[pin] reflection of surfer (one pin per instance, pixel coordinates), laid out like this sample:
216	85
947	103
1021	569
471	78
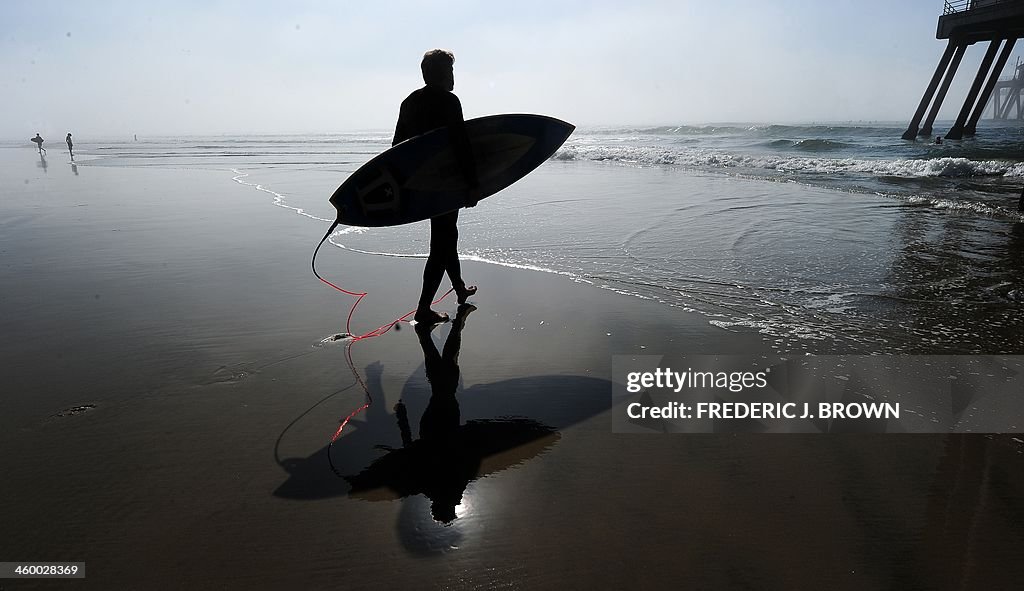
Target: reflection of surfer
428	108
441	418
439	426
39	143
449	453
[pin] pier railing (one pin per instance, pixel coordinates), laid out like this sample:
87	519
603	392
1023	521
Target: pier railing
963	5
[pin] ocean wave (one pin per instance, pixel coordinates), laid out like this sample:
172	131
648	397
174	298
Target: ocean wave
672	130
961	205
845	130
753	129
626	154
814	145
912	168
808	145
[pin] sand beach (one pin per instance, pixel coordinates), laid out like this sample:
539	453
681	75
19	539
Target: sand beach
169	404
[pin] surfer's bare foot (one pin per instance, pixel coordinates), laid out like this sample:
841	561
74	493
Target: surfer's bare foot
429	317
462	314
464	292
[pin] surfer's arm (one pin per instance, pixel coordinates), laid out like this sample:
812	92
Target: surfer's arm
463	150
402	132
399	133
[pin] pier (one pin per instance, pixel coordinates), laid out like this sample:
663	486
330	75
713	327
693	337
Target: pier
963	23
1006	98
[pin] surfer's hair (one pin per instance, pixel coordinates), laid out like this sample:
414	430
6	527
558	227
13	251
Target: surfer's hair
437	65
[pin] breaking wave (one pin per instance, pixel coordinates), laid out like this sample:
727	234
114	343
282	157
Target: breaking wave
904	167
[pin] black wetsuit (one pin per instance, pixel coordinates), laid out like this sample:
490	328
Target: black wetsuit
425	109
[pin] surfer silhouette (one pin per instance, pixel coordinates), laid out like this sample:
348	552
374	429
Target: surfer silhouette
71	146
39	143
428	108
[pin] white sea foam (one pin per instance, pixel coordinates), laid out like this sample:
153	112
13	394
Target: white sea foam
655	155
279	199
466	257
959	205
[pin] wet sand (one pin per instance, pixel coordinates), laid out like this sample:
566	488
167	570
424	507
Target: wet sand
167	411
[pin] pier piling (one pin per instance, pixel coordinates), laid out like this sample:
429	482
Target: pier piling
957	131
979	108
912	130
961	49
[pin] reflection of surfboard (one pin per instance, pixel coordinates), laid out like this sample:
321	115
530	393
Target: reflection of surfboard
472	451
421	177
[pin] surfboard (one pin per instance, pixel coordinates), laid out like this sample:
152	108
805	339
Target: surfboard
421	177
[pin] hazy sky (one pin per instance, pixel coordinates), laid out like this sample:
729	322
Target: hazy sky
111	68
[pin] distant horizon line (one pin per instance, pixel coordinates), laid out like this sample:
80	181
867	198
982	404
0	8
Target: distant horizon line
584	127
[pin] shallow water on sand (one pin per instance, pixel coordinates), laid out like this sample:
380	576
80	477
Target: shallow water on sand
823	238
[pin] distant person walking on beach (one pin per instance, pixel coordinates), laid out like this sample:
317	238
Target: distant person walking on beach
428	108
71	146
39	143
